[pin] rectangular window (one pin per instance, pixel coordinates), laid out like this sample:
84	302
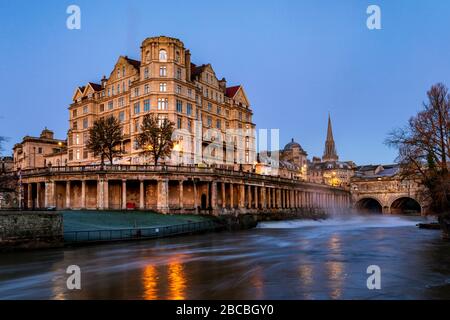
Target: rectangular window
85	138
85	123
136	92
146	105
110	105
240	116
179	106
179	89
122	116
163	87
146	89
189	124
85	109
178	73
70	155
85	154
209	121
146	74
179	123
209	107
102	107
163	71
218	124
163	103
74	113
121	100
219	110
136	126
189	109
137	108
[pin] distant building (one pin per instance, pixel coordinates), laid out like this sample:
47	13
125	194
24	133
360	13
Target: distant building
329	170
36	152
6	164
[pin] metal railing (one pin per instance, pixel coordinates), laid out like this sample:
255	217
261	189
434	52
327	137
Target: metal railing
84	236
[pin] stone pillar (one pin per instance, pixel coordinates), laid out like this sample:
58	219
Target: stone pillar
106	194
124	194
50	194
163	196
224	196
29	196
256	197
68	204
214	197
83	194
38	195
249	196
100	190
141	195
231	195
241	199
180	195
263	197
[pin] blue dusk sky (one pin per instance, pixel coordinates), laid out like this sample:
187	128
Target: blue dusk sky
298	61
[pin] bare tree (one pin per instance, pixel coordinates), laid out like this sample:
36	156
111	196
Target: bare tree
105	137
424	148
155	138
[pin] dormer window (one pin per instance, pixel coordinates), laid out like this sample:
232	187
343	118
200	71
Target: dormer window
162	55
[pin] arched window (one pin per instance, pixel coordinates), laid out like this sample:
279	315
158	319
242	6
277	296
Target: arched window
162	55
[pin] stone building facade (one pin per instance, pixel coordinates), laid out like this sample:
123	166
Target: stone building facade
33	152
166	83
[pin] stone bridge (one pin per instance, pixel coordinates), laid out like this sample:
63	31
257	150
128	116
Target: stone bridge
174	189
389	195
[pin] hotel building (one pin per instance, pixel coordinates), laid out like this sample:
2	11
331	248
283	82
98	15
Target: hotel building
166	83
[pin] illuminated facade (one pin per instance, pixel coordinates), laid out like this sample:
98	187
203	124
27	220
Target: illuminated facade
166	83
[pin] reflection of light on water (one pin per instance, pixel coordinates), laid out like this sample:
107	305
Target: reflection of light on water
335	243
306	274
335	271
177	280
257	282
150	280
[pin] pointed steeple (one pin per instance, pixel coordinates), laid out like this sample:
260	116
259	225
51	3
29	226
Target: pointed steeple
330	153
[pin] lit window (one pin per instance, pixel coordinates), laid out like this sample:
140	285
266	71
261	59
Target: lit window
162	55
163	71
163	103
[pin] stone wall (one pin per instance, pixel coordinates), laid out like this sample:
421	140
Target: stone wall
26	230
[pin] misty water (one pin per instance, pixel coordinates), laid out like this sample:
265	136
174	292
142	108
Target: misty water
295	259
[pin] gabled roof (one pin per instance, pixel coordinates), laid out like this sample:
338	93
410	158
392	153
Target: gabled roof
197	70
95	86
231	91
134	63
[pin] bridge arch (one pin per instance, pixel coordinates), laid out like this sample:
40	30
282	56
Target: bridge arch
369	205
405	205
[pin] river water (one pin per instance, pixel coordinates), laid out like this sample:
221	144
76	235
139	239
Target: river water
279	260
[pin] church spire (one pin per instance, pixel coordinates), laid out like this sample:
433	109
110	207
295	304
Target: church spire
330	153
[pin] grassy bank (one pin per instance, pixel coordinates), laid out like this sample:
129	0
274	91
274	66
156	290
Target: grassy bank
107	220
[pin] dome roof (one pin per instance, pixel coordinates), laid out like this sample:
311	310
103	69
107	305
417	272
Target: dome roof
291	145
